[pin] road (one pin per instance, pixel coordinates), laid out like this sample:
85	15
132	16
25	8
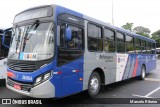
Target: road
133	88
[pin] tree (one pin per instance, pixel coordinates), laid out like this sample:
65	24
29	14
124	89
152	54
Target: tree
156	35
142	31
128	26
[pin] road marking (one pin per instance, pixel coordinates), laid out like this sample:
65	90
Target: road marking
147	96
152	92
152	79
140	96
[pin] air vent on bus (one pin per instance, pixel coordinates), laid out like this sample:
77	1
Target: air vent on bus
22	67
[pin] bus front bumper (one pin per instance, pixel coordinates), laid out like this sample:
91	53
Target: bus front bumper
43	90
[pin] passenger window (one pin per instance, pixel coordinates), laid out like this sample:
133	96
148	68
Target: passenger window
120	37
137	44
148	48
129	44
109	40
76	38
95	42
109	34
120	42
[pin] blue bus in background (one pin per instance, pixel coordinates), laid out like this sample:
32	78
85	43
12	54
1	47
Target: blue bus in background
4	50
56	52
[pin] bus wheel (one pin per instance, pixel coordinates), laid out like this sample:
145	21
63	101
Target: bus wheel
143	73
94	84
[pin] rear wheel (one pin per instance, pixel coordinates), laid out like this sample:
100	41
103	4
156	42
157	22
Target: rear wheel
94	84
143	73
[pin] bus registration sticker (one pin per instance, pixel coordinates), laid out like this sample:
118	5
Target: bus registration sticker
28	56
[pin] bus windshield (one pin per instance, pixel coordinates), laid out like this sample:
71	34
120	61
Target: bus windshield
33	42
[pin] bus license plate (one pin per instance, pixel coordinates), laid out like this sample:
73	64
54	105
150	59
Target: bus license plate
17	86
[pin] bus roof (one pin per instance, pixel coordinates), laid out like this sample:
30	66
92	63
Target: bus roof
94	20
108	25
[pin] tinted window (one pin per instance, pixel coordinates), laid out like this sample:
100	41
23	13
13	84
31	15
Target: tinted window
109	34
94	31
109	46
95	41
129	39
95	44
120	37
120	47
137	42
70	50
129	48
143	43
76	38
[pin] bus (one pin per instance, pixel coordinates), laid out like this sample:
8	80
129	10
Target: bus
56	52
4	51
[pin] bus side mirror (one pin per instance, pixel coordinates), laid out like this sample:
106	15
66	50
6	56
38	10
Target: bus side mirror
7	33
68	33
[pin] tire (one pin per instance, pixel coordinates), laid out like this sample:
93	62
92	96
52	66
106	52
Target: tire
143	73
94	84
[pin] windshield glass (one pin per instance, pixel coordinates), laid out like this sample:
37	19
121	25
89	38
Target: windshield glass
33	42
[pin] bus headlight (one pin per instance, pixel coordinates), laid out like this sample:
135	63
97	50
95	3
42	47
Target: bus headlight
46	76
42	78
38	80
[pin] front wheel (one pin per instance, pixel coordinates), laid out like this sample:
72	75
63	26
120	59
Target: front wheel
94	84
143	73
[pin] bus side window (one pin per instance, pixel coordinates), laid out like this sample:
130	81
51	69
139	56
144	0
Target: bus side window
143	46
137	44
109	40
76	38
95	41
129	44
153	48
120	42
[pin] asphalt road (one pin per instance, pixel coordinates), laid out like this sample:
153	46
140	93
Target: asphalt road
133	88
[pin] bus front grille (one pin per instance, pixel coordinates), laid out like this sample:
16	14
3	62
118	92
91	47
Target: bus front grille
22	67
24	87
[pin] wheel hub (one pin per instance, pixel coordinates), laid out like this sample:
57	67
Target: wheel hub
94	84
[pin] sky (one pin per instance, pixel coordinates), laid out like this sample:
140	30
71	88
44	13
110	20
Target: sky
140	12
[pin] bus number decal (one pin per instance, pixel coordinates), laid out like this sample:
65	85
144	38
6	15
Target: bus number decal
28	56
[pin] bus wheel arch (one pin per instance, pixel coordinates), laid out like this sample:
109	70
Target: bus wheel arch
102	75
96	75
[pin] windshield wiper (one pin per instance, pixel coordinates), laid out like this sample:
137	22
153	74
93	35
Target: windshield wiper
36	22
27	32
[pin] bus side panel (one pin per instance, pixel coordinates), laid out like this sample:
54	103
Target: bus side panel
129	66
104	61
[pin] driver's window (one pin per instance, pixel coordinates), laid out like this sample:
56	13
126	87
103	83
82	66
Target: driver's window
76	38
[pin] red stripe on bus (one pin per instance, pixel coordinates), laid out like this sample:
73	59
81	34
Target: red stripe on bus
135	68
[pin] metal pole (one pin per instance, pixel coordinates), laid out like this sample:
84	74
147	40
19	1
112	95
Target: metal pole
112	13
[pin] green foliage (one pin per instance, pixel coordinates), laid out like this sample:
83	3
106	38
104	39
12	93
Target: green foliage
156	35
139	29
128	26
142	31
